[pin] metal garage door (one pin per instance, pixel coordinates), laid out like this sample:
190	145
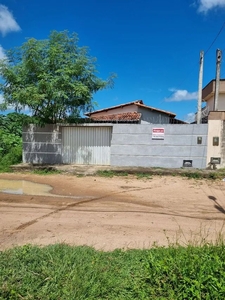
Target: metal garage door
86	145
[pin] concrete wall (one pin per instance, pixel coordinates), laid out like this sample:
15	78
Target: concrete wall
210	103
153	117
221	103
132	145
216	130
42	145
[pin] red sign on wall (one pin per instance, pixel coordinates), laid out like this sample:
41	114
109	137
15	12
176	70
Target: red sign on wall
158	133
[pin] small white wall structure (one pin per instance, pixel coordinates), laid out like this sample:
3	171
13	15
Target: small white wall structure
216	140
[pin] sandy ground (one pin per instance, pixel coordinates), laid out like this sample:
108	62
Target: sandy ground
109	213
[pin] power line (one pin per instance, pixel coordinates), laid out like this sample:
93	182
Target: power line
218	34
210	46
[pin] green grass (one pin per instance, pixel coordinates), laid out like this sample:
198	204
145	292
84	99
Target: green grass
46	171
194	174
64	272
144	176
110	173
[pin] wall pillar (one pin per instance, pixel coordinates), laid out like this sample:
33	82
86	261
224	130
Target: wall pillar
216	140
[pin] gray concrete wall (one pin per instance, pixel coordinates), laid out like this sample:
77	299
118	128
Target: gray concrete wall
153	117
132	145
42	145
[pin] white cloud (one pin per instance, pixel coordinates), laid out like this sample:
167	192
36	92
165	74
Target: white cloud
1	98
181	95
7	21
2	53
189	118
206	5
11	108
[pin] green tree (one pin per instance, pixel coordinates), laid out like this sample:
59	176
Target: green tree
53	78
11	139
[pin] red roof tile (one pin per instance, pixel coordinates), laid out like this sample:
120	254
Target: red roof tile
128	116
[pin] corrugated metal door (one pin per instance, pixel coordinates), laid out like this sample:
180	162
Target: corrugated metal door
86	145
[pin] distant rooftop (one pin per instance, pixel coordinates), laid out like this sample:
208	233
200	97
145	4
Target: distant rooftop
136	102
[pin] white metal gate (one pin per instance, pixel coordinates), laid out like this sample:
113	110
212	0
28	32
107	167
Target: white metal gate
86	145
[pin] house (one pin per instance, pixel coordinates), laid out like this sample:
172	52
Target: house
134	112
208	95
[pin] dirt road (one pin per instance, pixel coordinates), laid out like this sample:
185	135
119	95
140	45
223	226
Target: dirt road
109	213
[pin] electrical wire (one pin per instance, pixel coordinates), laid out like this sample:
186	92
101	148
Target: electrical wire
218	34
210	46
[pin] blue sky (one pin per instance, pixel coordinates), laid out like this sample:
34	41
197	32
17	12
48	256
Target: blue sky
152	45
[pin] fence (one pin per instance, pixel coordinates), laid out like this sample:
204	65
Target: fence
168	146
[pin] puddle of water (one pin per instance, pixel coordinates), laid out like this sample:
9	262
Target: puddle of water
23	187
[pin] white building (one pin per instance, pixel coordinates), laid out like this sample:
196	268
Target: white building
208	95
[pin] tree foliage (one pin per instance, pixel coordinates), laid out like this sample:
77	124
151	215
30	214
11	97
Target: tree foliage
11	139
53	78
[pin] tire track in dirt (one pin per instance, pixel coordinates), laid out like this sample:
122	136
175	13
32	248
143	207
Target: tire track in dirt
72	205
121	204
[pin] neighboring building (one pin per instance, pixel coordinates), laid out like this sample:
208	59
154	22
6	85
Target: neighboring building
208	95
134	112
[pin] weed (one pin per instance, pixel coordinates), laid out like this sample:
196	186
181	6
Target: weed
144	176
194	175
64	272
191	174
110	173
213	176
121	173
105	173
14	156
80	175
46	171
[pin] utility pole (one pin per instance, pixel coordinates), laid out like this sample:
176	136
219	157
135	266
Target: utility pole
217	87
199	113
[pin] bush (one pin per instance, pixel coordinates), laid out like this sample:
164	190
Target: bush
14	156
11	139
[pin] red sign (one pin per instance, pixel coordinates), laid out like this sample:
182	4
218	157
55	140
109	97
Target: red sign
158	133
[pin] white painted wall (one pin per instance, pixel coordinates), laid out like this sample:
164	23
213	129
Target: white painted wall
210	103
221	103
215	129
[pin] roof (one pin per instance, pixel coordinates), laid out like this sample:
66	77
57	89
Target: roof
124	117
136	102
156	109
177	121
